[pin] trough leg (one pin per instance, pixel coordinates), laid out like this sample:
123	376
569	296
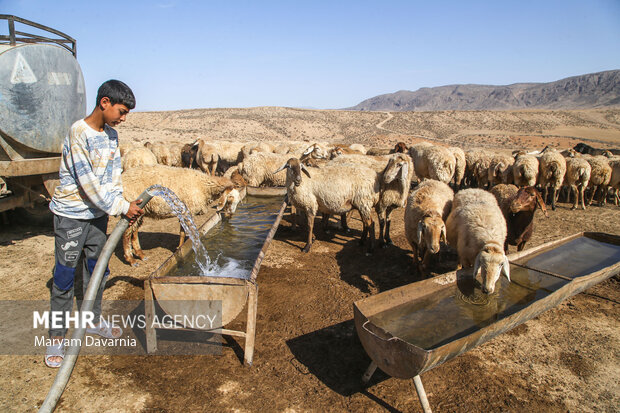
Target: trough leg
149	312
369	372
419	388
250	332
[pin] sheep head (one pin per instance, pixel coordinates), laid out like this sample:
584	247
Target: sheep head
400	147
336	152
397	168
431	231
294	169
492	262
228	201
527	199
188	154
314	151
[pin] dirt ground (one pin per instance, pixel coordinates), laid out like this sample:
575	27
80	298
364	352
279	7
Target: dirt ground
308	356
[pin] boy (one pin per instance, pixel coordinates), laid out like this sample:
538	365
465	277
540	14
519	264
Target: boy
90	190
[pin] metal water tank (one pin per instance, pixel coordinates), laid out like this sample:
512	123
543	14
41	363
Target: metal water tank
41	95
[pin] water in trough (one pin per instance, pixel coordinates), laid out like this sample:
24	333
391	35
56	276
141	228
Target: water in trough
232	245
461	309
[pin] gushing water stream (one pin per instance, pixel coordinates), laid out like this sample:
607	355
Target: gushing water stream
233	244
185	218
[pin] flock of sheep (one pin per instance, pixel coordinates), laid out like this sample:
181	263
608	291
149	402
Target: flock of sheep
495	210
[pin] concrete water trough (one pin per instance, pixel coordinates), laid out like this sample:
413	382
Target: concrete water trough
195	294
409	330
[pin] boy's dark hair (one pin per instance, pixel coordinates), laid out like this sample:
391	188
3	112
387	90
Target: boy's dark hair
117	92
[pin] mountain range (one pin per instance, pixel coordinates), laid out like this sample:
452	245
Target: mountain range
592	90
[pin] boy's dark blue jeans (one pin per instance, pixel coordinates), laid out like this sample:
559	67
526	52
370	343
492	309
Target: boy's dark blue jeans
72	238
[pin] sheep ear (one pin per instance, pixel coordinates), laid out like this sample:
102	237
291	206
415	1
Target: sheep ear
420	232
541	203
404	171
281	168
308	150
476	264
304	170
221	202
506	268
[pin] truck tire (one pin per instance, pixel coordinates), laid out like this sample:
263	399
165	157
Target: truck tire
39	215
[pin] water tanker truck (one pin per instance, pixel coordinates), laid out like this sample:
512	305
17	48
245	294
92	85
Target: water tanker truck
41	95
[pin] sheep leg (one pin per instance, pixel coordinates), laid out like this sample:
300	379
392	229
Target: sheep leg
343	222
381	217
181	236
546	194
604	192
388	221
521	246
310	221
325	222
592	191
573	191
426	261
553	193
364	232
127	250
135	243
370	224
582	192
293	218
415	250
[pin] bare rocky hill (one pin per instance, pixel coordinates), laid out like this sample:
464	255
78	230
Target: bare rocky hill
578	92
501	129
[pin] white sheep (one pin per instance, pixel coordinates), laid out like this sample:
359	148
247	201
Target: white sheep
552	168
162	152
501	169
229	153
481	167
333	189
525	170
207	157
472	157
196	189
577	176
433	162
600	177
138	156
176	150
427	209
459	166
254	147
477	229
395	183
258	169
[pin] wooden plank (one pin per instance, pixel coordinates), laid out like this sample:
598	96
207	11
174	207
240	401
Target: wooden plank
250	330
149	312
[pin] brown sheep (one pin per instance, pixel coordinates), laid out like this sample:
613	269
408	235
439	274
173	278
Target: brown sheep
518	206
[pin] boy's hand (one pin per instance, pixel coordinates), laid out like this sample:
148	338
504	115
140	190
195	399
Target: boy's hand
134	211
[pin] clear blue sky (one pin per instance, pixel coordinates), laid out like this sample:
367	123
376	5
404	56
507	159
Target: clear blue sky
180	54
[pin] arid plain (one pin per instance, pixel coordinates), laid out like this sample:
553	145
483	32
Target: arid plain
308	357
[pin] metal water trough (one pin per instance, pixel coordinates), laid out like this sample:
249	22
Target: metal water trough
567	267
191	295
